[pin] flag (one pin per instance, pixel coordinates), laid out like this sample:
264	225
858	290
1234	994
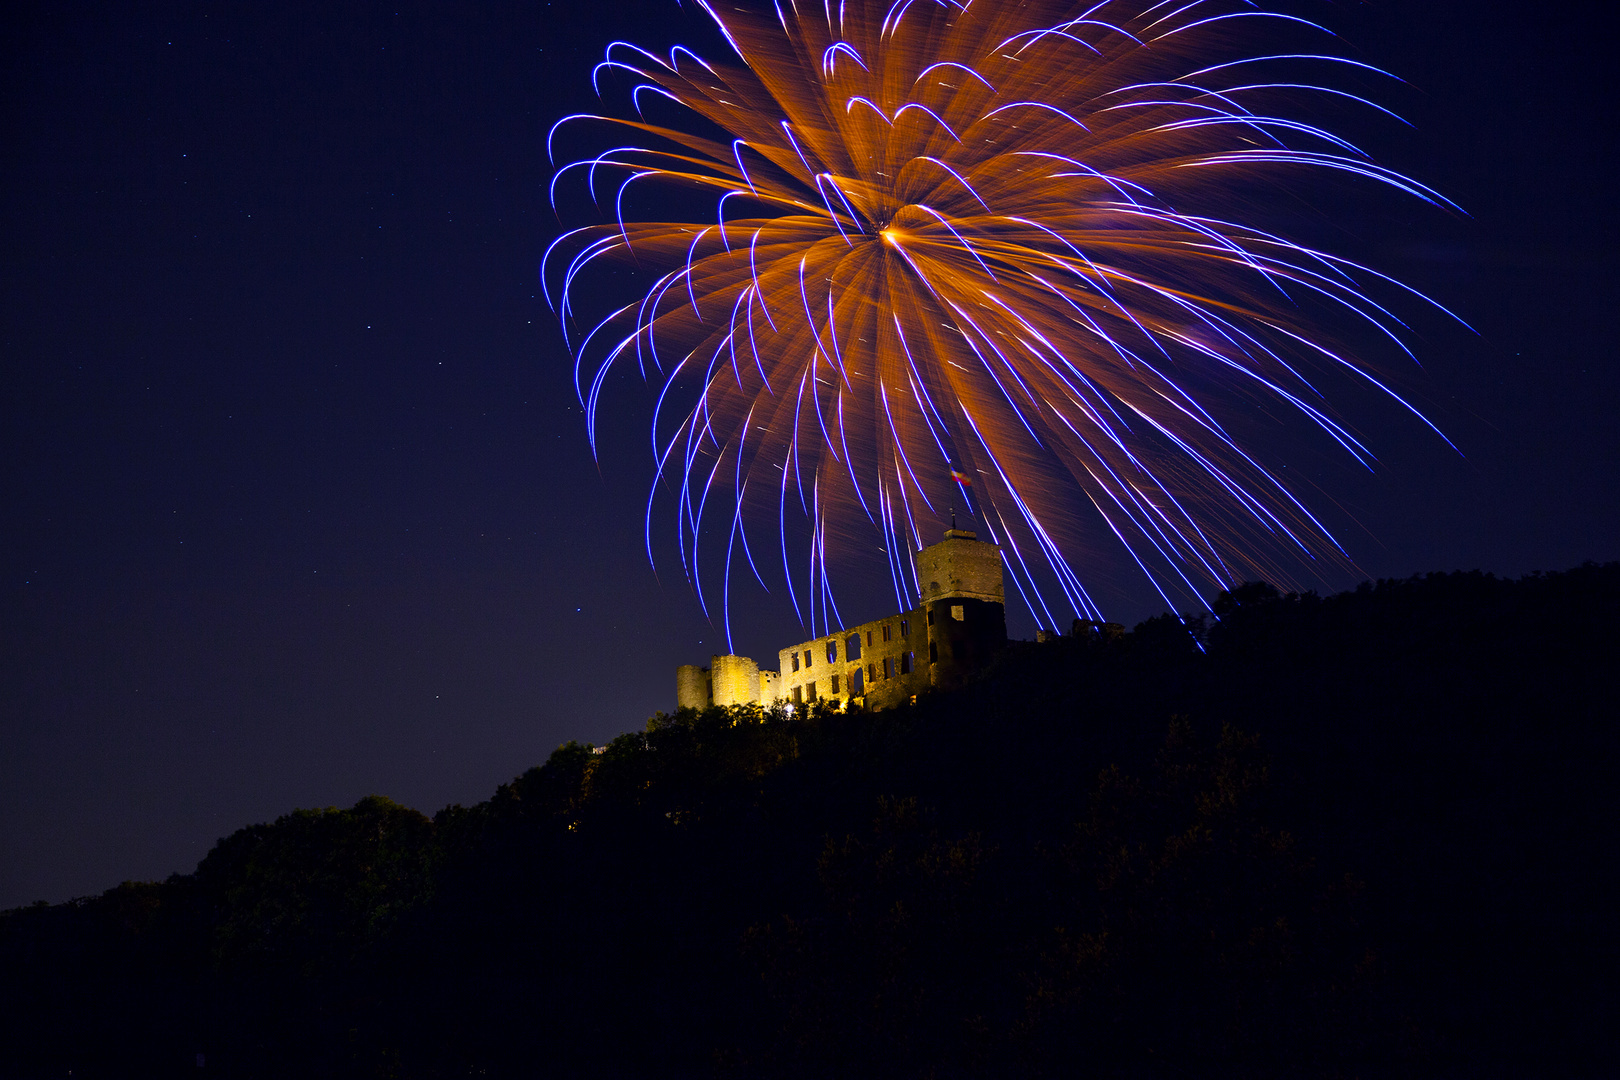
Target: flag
961	478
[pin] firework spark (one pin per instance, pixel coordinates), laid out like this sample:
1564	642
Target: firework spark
960	254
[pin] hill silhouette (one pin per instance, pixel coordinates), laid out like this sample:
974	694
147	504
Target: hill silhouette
1364	834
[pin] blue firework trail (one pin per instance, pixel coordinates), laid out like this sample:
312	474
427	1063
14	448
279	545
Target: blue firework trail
965	255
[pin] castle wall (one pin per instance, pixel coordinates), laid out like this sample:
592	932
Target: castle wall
876	664
960	624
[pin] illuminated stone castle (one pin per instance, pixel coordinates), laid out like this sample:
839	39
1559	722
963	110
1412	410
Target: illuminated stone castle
959	625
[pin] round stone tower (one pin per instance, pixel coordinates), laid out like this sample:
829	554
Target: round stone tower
735	679
692	687
963	605
962	566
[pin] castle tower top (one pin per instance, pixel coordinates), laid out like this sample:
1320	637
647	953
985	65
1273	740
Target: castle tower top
961	565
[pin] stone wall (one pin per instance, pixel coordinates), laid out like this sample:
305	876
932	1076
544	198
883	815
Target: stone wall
963	634
692	687
769	687
736	680
959	626
728	680
876	664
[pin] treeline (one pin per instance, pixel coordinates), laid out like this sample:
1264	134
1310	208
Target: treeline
1370	834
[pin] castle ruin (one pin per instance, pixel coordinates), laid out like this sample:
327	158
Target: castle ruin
959	624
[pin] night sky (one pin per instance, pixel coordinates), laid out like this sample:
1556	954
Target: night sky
298	503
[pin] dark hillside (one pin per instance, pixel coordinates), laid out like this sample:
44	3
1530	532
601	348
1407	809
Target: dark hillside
1369	834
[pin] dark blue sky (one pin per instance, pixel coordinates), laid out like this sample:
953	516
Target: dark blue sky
298	501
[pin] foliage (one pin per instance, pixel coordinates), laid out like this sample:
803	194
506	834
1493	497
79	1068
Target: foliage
1346	835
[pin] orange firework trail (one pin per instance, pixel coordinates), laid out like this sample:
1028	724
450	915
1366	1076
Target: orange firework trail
949	260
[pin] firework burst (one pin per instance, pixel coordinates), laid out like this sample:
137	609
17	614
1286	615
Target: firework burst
960	255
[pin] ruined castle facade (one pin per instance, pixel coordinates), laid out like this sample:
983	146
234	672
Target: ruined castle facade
959	624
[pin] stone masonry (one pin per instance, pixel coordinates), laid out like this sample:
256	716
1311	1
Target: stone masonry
960	623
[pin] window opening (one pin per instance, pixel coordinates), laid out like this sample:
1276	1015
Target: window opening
832	652
852	647
795	661
905	663
956	612
834	683
810	690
